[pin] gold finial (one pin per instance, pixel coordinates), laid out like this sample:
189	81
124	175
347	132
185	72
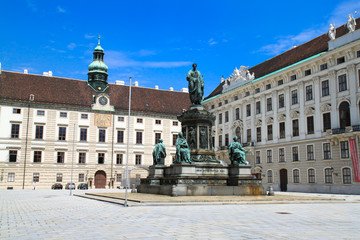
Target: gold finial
356	12
99	40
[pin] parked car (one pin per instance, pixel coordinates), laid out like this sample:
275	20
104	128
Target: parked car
70	186
83	186
57	186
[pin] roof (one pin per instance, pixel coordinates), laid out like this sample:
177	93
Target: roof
63	92
294	55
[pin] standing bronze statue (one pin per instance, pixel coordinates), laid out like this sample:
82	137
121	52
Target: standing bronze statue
237	153
159	153
196	85
182	150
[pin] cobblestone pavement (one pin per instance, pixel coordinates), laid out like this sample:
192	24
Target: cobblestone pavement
51	214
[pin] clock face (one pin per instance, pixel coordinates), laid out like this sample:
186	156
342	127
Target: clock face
103	100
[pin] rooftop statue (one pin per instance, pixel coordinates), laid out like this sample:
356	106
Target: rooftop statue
196	85
332	32
237	153
351	23
182	150
159	153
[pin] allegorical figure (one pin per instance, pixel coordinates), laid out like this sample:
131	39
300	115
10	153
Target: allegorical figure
192	137
196	85
159	153
182	150
203	138
237	153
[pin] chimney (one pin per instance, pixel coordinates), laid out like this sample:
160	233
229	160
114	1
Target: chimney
156	86
50	74
26	71
119	82
184	90
0	67
171	89
45	74
136	84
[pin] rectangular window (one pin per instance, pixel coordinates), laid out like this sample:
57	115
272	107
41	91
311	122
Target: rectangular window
157	121
226	101
11	177
62	133
281	101
175	136
138	137
269	104
248	135
340	60
15	129
84	116
220	104
118	177
295	154
101	158
37	156
269	156
120	136
325	88
296	176
358	54
257	157
307	72
226	139
83	134
63	114
323	66
175	123
59	177
226	116
311	175
102	135
270	176
121	119
292	77
220	141
282	130
139	120
257	90
138	160
270	132
328	176
310	152
16	110
342	83
220	118
119	158
248	110
81	177
258	134
327	151
60	157
294	97
39	131
236	98
12	155
82	157
295	124
309	95
237	113
326	121
281	154
157	137
268	86
247	94
40	113
280	82
258	109
36	177
310	125
344	146
346	175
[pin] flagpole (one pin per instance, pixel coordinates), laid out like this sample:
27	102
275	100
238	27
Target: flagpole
127	151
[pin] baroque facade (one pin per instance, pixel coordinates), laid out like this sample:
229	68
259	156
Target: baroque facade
298	113
56	129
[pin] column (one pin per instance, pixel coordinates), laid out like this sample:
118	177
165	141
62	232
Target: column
352	86
302	121
317	115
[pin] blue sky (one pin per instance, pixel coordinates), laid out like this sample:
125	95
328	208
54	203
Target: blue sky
156	42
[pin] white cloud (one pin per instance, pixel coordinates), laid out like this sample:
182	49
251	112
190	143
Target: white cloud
71	46
212	42
61	10
89	36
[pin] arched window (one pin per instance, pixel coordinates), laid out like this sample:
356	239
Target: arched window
296	175
346	173
311	175
344	115
270	176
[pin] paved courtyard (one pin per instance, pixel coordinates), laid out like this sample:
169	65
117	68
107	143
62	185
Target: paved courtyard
51	214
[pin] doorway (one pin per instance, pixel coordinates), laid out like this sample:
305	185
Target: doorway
283	180
100	179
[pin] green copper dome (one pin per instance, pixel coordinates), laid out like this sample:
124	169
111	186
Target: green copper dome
98	65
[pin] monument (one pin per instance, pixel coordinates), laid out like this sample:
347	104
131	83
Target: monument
195	170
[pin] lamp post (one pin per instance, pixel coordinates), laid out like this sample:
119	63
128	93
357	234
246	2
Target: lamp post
127	151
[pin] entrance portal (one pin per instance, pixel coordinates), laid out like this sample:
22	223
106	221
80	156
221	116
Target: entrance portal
100	179
283	180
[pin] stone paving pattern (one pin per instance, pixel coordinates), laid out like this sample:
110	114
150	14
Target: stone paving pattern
52	214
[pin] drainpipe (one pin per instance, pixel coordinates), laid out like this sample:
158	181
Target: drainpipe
26	143
112	152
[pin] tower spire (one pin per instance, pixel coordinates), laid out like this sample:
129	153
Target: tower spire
97	75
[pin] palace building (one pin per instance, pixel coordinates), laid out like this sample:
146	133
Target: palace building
56	129
298	113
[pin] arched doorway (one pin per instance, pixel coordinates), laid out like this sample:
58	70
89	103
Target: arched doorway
100	179
344	115
283	180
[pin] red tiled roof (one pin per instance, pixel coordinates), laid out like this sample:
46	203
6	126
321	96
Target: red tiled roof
17	87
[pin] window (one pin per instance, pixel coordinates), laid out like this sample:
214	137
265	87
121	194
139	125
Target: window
358	54
292	77
119	158
157	137
118	177
12	155
344	146
36	177
323	66
236	98
342	83
257	90
102	135
63	114
15	130
121	119
340	60
175	136
248	135
269	156
296	176
295	124
346	175
344	114
280	82
270	176
295	154
120	136
258	134
310	152
37	156
220	104
294	97
310	125
138	160
139	120
328	176
281	154
11	177
270	132
39	132
175	123
326	121
257	157
226	101
309	95
101	158
327	151
237	113
83	134
281	101
282	129
258	109
248	110
226	139
40	113
307	72
16	110
60	157
311	175
268	86
247	93
59	177
220	141
220	118
226	116
82	157
269	104
81	177
84	116
62	133
325	88
157	121
138	137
